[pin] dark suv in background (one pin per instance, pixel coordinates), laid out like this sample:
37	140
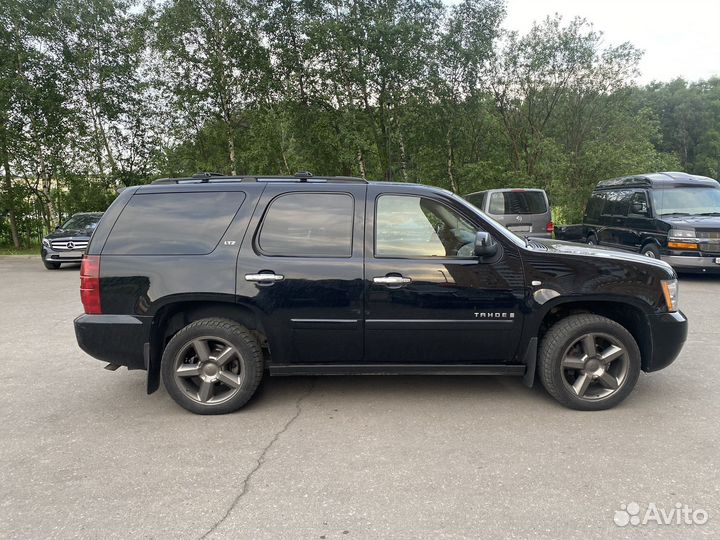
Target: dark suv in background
68	242
670	216
210	282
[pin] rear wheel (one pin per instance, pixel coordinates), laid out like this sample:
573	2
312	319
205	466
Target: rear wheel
51	265
650	250
212	366
588	362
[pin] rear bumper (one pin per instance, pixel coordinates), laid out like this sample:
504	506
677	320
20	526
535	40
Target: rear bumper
701	264
669	332
117	339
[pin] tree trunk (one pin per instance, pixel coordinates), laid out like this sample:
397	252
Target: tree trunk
10	195
231	152
361	164
403	157
451	164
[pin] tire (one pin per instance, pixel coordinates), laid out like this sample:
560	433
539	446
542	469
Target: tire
212	366
51	265
592	240
650	250
585	382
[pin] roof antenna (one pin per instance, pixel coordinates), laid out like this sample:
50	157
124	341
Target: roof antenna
303	175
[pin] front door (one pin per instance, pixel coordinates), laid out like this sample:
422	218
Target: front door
301	266
428	299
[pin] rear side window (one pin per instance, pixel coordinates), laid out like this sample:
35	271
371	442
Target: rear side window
173	223
594	206
476	199
308	225
617	203
517	202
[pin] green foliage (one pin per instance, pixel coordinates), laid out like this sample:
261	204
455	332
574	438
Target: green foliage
97	94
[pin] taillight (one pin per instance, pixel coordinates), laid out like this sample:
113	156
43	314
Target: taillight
90	284
550	227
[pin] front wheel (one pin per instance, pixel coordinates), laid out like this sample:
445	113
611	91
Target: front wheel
650	250
212	366
592	240
588	362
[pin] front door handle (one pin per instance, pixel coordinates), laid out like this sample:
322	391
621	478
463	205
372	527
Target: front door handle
392	280
264	278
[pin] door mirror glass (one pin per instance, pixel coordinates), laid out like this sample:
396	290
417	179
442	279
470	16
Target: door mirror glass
485	246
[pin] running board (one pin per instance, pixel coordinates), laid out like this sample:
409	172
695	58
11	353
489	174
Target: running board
399	369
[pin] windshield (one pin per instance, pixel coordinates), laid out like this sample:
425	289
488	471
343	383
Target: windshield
687	201
81	221
517	202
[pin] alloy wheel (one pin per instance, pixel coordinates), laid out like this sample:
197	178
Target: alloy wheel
595	366
208	370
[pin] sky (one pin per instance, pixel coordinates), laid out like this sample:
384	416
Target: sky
679	38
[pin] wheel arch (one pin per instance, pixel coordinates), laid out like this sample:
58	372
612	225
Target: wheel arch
631	316
172	317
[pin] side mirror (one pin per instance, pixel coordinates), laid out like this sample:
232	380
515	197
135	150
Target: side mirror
485	246
57	228
638	208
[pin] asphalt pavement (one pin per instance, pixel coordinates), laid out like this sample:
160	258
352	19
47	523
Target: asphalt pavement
85	453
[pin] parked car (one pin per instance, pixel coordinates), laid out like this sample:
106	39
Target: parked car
671	216
526	212
68	242
211	281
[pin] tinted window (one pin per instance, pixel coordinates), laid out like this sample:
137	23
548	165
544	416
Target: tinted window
173	223
517	202
594	206
418	227
308	225
476	199
617	203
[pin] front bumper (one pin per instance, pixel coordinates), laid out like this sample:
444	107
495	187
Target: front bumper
48	254
669	332
696	263
117	339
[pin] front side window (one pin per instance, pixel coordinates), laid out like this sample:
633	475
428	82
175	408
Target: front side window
408	226
308	225
639	204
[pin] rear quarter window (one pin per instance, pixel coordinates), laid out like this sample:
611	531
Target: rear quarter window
173	223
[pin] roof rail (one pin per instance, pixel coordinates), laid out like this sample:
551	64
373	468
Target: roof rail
302	176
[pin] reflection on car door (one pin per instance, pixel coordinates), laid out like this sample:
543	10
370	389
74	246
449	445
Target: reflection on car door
428	299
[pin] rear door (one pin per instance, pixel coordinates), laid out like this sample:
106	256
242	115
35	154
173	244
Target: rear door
301	267
614	216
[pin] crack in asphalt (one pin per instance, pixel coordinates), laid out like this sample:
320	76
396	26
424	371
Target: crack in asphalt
245	488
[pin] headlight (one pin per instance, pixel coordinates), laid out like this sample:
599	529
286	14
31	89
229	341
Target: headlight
670	292
682	239
46	242
685	234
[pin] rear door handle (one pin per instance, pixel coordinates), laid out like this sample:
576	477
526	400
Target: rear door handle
264	278
392	280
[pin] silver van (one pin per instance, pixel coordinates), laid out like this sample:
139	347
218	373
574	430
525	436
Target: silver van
526	212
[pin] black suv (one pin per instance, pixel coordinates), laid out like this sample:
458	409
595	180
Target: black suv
68	242
209	282
670	216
